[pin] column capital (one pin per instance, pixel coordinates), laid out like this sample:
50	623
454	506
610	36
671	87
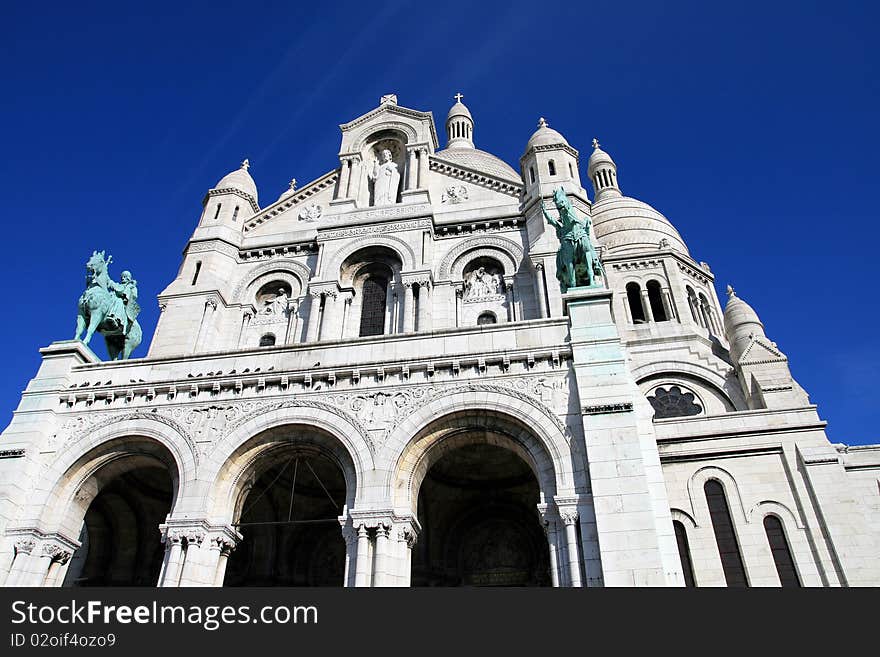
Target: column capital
56	553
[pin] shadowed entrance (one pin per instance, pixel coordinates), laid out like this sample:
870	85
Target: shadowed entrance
289	523
480	525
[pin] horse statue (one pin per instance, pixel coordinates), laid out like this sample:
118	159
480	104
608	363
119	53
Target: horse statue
577	262
110	308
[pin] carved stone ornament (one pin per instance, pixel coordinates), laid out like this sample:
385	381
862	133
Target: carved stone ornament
311	212
483	285
25	545
569	516
454	194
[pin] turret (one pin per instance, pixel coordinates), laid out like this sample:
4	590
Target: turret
761	366
603	174
459	126
549	162
231	200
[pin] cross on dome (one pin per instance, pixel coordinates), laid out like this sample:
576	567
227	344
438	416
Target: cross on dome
246	164
542	122
292	184
458	97
730	291
595	143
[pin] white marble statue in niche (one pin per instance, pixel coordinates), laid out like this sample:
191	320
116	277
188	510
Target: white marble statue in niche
386	179
276	306
482	283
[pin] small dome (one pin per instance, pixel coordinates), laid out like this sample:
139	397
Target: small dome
623	224
739	315
241	180
597	159
474	158
459	109
545	136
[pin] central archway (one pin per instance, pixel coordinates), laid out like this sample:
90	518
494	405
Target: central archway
477	507
293	486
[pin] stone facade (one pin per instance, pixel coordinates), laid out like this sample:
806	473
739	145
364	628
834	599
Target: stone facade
355	388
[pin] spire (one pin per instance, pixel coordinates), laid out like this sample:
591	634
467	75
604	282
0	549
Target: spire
603	173
459	125
246	164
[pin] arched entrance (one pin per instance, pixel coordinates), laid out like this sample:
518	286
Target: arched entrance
118	510
480	526
287	511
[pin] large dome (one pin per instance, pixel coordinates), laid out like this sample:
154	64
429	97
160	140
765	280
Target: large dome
241	180
623	224
474	158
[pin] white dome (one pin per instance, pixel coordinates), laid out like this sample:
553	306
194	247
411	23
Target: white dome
597	159
474	158
241	180
739	314
623	224
545	136
459	109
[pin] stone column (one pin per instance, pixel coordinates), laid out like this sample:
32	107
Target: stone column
541	290
511	299
380	576
424	306
669	305
206	323
423	167
646	305
170	575
408	310
55	577
293	307
191	561
406	539
23	549
412	173
550	532
459	296
219	551
344	174
314	317
569	518
344	303
389	309
349	535
354	180
246	317
362	564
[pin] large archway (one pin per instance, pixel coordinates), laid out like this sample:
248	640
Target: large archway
117	509
288	503
480	527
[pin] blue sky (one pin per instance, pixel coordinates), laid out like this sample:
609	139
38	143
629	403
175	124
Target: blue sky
752	126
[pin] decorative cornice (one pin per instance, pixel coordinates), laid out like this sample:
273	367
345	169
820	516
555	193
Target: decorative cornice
319	184
236	192
475	177
12	453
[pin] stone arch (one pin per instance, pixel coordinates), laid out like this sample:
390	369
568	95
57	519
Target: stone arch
259	434
731	491
769	507
506	251
396	244
707	380
106	445
407	130
525	430
684	518
292	271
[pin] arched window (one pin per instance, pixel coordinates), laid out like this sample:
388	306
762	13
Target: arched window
705	312
570	171
532	174
217	211
674	402
196	273
788	576
487	318
725	536
655	298
267	340
373	303
684	553
551	166
634	297
235	213
692	302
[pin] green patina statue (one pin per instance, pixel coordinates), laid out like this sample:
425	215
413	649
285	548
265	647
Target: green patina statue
110	308
577	263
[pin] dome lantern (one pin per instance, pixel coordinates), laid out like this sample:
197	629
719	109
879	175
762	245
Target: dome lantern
459	125
603	173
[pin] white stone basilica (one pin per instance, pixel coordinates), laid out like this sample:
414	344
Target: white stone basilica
375	380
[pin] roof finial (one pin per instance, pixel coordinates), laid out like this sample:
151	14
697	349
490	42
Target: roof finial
730	292
458	97
292	184
542	122
595	143
246	164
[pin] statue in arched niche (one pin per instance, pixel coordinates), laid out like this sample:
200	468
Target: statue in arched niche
386	179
